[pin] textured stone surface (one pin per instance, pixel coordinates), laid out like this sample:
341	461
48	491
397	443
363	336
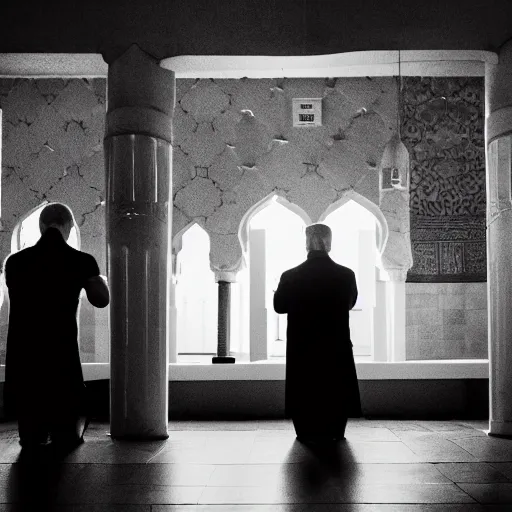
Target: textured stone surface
199	199
183	170
343	165
239	134
446	320
205	100
226	253
52	151
203	145
225	170
313	195
446	145
397	255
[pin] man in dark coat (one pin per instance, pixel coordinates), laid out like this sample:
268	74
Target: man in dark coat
44	385
321	382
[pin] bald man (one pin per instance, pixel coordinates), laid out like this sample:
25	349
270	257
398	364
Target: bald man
44	385
321	382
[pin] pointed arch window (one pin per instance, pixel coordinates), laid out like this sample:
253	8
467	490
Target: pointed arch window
354	245
196	296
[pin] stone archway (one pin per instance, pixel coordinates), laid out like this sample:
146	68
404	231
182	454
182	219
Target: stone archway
381	222
359	236
243	230
258	262
194	292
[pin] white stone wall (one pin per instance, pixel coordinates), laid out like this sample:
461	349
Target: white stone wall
446	321
234	144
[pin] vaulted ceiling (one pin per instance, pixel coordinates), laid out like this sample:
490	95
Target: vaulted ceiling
167	28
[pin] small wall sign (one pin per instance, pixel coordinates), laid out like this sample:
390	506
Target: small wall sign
307	112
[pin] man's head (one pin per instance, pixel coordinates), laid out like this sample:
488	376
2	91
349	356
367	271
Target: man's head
318	238
56	215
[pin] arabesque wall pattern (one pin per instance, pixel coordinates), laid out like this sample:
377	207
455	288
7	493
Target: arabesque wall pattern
443	129
234	144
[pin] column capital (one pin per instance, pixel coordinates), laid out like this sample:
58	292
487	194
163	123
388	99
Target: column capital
228	276
398	275
141	96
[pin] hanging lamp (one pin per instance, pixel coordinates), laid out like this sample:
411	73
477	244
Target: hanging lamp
395	159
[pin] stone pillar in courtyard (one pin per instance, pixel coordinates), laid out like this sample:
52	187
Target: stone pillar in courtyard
396	260
225	261
498	111
138	217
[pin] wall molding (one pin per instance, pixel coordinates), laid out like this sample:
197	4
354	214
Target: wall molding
367	63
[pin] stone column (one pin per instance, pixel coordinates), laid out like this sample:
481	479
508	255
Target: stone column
225	262
498	127
258	296
223	324
396	260
138	218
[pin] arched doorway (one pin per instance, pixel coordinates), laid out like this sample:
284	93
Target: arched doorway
196	296
272	236
354	245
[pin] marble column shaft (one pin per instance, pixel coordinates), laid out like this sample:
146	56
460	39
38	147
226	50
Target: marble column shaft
138	217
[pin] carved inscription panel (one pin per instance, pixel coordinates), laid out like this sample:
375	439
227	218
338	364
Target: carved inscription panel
443	129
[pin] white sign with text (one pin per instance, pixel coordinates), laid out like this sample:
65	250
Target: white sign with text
307	112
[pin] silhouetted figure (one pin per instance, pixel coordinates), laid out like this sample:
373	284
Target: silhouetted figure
44	387
321	382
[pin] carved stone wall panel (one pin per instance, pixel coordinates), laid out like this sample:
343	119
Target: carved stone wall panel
248	155
443	129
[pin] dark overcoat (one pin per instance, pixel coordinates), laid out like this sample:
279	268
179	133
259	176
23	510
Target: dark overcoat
43	374
321	376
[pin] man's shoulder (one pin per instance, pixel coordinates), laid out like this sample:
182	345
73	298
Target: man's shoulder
81	254
19	257
342	270
29	253
295	270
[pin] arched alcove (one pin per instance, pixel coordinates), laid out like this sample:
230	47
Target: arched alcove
355	245
273	197
195	293
273	240
382	230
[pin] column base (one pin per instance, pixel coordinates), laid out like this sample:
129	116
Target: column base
223	360
500	429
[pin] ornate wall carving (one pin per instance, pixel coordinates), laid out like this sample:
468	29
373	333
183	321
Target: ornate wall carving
234	144
445	139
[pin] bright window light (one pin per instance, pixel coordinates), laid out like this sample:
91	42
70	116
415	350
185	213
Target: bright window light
196	295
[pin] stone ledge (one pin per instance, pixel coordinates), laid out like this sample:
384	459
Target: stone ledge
275	370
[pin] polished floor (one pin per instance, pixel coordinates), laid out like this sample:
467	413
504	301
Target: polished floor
384	465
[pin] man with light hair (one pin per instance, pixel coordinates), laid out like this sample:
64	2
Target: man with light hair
321	382
44	386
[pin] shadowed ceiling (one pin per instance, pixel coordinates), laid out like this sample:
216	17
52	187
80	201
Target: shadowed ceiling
168	28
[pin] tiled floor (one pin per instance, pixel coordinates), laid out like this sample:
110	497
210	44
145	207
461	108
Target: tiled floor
388	466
